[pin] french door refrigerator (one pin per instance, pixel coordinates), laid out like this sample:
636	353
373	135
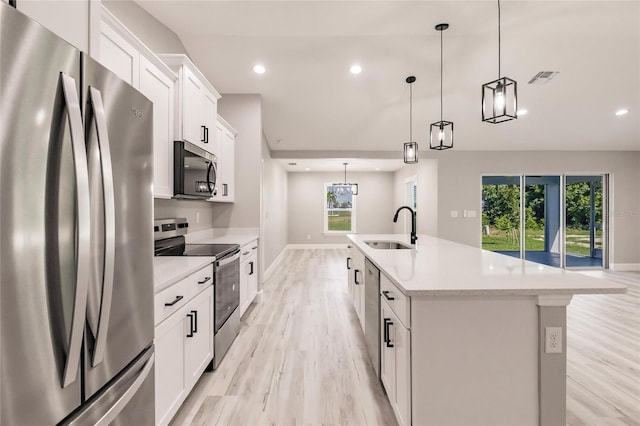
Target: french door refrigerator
76	251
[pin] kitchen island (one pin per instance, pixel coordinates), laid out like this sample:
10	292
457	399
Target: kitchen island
469	336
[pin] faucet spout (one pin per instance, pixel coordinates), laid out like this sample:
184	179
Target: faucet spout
414	235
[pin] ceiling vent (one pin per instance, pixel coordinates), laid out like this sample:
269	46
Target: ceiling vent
293	164
543	77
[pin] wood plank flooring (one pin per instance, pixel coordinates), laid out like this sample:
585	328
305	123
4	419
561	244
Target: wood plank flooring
300	357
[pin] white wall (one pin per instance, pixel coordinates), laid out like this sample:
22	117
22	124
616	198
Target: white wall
274	207
157	36
374	211
459	183
244	113
426	172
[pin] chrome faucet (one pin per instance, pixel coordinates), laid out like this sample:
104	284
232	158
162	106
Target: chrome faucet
414	237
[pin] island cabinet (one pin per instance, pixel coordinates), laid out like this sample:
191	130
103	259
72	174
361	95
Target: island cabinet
395	351
463	333
196	106
183	339
356	282
126	56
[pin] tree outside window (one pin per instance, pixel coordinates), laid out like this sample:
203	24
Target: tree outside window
339	209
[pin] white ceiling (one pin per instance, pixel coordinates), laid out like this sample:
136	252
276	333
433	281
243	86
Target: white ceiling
312	102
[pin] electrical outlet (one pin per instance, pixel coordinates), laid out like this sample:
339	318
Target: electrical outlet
553	340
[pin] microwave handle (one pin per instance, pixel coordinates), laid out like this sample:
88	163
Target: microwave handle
211	183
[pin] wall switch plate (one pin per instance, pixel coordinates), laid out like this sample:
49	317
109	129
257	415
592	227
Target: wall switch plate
471	213
553	340
454	213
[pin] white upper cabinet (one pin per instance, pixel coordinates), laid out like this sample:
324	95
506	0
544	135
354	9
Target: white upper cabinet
124	54
225	139
196	104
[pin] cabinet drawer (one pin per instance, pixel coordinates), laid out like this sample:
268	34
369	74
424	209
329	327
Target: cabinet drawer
170	300
247	250
398	302
200	280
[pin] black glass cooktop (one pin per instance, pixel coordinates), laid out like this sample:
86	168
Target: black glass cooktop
176	247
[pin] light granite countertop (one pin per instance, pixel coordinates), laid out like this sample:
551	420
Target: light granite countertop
437	267
239	236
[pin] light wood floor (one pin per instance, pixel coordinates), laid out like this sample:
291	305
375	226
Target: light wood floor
300	357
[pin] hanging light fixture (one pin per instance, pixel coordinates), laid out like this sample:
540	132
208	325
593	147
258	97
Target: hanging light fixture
345	188
441	132
499	97
411	148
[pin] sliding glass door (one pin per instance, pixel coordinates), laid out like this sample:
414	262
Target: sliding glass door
556	220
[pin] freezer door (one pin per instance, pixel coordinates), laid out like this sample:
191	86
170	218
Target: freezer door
118	126
43	222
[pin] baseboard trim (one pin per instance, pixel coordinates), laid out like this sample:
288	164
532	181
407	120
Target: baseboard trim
274	265
625	266
316	246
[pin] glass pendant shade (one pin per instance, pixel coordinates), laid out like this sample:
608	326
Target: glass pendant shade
441	135
411	152
500	100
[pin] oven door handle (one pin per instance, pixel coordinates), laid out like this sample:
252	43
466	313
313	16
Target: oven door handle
228	259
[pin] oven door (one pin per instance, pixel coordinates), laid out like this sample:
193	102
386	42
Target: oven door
195	171
227	288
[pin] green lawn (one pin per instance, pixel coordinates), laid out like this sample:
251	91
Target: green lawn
577	241
339	220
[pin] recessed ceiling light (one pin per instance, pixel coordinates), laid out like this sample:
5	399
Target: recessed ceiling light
622	111
259	69
522	112
355	69
306	169
377	169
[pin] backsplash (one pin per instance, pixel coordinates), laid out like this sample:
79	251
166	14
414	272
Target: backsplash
199	214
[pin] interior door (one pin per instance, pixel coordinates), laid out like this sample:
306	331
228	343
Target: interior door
120	308
41	243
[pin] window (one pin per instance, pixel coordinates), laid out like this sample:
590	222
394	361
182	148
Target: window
339	209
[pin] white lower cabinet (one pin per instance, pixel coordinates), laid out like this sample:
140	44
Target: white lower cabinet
357	265
183	342
248	274
395	362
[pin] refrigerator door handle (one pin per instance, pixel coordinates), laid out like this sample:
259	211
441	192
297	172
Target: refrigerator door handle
83	229
95	101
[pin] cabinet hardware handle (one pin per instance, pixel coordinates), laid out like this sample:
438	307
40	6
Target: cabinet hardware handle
205	280
348	265
176	300
245	253
206	134
190	334
202	139
254	248
355	276
195	321
251	265
387	323
386	295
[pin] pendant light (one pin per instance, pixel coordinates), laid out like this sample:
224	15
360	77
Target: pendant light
411	148
499	97
441	132
344	188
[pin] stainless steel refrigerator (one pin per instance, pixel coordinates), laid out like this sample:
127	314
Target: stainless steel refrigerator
76	243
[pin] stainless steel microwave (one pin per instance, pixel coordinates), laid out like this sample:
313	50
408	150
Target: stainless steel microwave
194	171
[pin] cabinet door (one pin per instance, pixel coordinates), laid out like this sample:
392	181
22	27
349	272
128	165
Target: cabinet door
156	86
402	346
387	351
209	121
350	268
244	287
227	164
252	284
192	124
119	56
171	384
199	335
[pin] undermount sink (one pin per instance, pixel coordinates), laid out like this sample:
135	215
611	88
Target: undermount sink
387	245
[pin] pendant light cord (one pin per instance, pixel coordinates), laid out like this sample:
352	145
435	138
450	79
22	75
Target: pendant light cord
441	78
499	39
410	112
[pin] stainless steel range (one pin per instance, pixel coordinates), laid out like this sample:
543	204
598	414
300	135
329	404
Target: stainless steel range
170	241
